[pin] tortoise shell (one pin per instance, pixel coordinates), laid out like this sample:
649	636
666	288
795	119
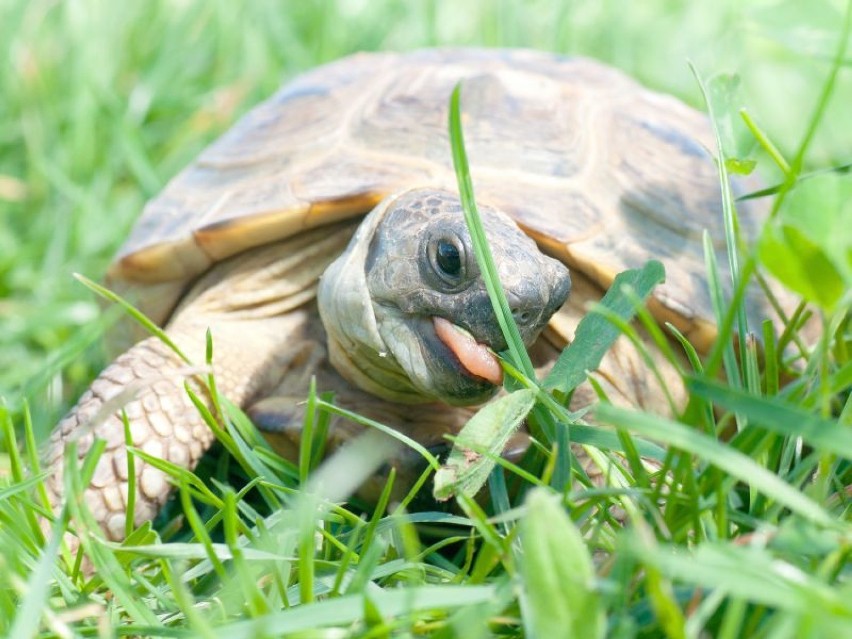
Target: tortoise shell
603	173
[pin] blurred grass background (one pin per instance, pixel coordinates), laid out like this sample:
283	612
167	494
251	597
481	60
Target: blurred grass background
102	102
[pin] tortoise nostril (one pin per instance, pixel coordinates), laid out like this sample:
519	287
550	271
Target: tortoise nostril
521	315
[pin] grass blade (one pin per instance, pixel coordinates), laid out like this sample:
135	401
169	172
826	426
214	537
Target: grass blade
30	610
135	313
466	471
484	259
732	461
595	334
561	594
778	416
752	574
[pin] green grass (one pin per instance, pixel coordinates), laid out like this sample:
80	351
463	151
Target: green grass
100	104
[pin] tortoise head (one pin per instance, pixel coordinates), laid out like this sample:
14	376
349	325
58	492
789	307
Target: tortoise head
405	306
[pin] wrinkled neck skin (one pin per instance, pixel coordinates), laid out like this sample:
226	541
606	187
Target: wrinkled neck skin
355	345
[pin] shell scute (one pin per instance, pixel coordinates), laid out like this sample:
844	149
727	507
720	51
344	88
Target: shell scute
602	172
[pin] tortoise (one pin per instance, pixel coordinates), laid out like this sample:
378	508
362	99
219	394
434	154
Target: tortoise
322	236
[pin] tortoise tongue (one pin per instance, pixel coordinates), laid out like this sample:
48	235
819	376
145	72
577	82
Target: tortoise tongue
475	358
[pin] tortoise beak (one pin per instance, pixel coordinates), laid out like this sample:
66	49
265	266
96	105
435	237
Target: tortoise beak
533	305
560	291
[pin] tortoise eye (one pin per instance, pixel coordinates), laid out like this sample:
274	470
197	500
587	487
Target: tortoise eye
446	262
447	258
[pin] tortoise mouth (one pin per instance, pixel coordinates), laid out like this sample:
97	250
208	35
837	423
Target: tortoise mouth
474	358
456	369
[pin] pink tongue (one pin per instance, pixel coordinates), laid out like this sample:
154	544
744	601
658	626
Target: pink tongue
474	357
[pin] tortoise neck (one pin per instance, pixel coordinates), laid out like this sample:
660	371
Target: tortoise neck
374	371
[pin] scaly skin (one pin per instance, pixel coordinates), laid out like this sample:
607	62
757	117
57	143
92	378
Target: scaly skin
163	423
147	382
257	308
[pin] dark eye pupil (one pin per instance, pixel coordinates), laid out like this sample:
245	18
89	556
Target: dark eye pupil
448	259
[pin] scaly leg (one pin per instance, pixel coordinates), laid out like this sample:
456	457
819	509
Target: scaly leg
258	307
147	384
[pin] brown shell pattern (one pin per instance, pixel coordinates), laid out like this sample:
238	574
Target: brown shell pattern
599	170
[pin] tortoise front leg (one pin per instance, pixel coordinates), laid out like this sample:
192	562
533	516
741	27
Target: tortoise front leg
259	308
147	384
